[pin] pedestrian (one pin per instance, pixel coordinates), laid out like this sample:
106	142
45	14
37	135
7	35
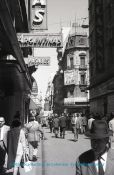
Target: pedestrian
50	122
91	119
111	126
68	121
62	124
74	124
56	125
80	123
38	117
33	130
3	143
84	123
16	146
100	159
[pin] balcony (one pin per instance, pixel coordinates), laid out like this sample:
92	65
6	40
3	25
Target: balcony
83	67
70	67
83	85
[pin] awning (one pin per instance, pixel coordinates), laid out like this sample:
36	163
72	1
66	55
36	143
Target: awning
32	105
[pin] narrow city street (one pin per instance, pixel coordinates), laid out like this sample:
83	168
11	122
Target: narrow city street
57	71
57	156
60	154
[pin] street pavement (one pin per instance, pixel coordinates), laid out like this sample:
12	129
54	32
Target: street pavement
57	156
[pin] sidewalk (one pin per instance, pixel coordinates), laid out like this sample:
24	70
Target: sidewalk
36	165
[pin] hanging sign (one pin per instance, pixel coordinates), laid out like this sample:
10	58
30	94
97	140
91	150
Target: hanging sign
36	61
40	40
38	14
69	77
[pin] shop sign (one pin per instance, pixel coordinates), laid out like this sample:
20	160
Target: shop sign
42	40
69	101
69	77
38	14
77	41
36	61
75	100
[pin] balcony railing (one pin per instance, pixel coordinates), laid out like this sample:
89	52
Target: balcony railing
82	83
83	67
70	67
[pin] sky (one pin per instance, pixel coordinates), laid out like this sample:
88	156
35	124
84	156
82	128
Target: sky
61	13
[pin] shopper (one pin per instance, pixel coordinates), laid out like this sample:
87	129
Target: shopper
16	146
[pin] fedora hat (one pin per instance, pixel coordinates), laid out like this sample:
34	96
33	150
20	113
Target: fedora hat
99	130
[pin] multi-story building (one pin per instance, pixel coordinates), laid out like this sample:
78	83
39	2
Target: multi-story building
58	93
101	42
15	79
48	105
75	64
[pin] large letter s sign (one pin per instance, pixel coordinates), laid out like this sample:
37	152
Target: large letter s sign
39	6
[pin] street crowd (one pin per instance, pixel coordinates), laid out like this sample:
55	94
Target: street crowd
99	160
77	122
19	143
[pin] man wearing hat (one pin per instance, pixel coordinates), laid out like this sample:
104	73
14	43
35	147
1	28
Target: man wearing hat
100	159
33	136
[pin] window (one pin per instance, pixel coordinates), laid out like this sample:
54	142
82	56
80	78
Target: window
82	79
82	60
82	41
71	92
71	62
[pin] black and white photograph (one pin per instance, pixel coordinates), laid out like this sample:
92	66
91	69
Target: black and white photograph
56	87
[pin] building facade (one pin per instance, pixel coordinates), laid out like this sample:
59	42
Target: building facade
75	64
48	105
58	92
101	42
15	79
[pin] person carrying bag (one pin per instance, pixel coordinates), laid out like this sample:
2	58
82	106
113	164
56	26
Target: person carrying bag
27	164
16	147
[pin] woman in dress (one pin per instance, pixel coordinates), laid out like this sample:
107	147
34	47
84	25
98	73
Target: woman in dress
16	146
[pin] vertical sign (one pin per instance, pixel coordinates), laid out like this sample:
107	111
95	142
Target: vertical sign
38	14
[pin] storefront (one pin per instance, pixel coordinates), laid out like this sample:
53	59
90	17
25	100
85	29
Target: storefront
15	81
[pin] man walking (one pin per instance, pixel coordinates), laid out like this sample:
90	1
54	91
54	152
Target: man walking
100	159
3	143
62	124
91	119
33	136
75	126
50	122
56	125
